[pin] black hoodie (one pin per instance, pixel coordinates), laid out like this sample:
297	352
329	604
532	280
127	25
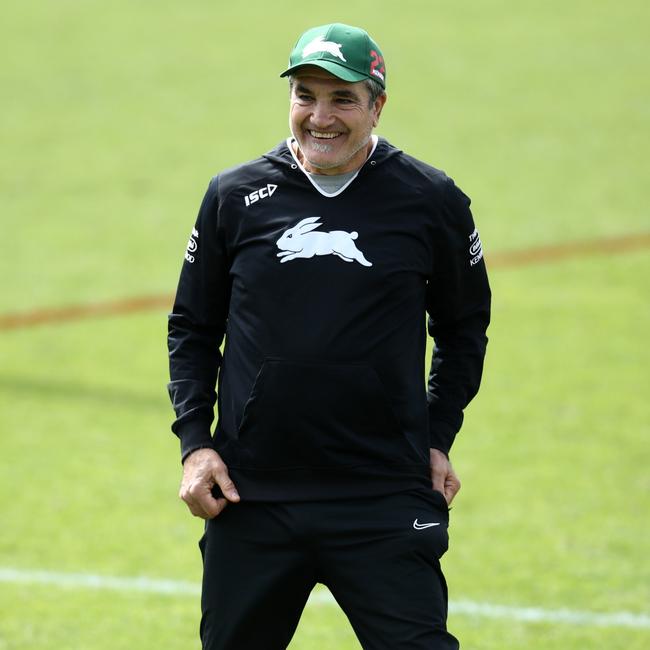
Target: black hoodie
322	301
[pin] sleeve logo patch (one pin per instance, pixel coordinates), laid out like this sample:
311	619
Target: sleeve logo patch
475	248
192	245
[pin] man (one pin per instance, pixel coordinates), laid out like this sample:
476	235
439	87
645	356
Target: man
329	462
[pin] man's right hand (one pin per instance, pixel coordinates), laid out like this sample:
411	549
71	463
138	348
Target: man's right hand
202	470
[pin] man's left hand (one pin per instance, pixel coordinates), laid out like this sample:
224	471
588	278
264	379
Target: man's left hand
443	477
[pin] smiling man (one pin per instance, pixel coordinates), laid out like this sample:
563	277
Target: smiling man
315	265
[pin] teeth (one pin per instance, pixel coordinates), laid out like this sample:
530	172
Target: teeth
321	134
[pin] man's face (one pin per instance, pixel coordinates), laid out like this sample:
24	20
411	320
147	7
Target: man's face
331	121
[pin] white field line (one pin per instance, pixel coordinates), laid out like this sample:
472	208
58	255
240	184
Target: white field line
457	607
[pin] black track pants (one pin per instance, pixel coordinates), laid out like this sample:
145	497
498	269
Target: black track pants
378	556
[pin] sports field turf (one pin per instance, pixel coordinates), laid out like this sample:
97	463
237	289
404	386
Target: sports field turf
115	115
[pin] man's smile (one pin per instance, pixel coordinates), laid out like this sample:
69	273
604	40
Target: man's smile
324	135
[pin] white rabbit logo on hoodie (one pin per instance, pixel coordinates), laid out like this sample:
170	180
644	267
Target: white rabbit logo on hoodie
300	241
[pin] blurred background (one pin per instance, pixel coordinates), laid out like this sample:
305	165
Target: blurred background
114	116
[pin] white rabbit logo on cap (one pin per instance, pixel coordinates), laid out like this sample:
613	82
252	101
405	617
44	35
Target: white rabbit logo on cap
300	241
319	44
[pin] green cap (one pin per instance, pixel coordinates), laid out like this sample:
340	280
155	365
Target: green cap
346	52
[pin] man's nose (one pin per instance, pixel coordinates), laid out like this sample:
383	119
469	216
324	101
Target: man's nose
322	115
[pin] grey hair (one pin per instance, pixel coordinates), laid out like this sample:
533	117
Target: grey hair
375	89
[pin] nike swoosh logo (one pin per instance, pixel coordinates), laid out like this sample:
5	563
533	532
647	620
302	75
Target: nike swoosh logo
418	526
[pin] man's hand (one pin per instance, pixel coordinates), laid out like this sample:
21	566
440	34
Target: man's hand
443	477
203	469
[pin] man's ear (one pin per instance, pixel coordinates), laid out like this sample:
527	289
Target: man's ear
377	108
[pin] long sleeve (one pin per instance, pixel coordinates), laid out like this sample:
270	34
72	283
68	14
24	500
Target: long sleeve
458	304
196	328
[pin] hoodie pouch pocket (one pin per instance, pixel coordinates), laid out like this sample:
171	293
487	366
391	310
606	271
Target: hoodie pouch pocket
310	415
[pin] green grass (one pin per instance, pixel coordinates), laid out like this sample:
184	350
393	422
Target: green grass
114	118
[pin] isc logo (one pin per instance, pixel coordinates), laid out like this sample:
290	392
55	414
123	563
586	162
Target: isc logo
262	193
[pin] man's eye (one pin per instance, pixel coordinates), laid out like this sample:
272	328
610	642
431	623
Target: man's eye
304	98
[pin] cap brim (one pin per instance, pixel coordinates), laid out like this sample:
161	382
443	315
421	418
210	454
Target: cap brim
330	66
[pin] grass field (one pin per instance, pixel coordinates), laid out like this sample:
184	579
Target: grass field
115	116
